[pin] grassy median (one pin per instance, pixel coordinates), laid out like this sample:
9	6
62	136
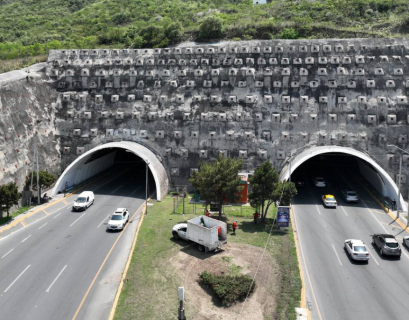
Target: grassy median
150	289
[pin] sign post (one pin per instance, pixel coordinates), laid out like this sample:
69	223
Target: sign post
283	217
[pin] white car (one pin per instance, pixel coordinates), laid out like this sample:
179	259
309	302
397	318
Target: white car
349	195
357	250
329	200
179	231
319	182
118	219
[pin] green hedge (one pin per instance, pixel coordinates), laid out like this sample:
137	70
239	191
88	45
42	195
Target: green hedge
229	289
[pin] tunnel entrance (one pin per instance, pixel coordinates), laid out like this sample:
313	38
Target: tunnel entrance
123	157
340	163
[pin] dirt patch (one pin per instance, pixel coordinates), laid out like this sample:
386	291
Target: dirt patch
233	259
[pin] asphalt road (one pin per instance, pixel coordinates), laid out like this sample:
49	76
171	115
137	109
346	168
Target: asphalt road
336	287
54	269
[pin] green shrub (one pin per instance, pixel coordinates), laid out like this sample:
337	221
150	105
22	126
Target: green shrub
229	289
211	28
289	33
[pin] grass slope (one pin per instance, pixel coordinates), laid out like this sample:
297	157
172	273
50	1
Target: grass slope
32	27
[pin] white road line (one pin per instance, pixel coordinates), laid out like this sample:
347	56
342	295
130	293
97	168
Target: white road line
62	208
339	260
375	217
26	238
136	189
103	221
344	210
318	209
373	257
7	253
43	225
17	278
57	215
48	290
117	189
78	218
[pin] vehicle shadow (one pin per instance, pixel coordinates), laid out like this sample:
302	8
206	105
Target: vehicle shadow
355	262
191	249
382	256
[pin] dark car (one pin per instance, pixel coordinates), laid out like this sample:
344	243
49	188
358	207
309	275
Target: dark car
299	183
387	245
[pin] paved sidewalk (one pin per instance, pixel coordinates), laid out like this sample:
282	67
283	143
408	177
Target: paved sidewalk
56	203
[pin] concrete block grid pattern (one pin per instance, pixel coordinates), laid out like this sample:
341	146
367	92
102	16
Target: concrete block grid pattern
256	100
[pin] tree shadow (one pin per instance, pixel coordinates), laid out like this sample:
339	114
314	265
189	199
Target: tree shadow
250	227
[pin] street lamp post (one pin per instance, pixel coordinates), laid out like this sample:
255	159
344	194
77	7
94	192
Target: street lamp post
400	173
146	194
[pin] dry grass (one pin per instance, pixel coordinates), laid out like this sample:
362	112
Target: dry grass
16	64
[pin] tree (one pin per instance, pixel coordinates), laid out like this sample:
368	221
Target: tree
211	28
174	32
266	189
45	180
217	181
9	196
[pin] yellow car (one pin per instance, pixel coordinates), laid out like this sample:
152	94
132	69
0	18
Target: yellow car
329	200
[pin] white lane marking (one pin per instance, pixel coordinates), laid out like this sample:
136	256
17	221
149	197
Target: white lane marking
7	253
48	290
17	278
136	189
61	209
57	215
375	217
78	218
26	238
117	189
318	209
373	257
339	260
103	221
344	210
43	225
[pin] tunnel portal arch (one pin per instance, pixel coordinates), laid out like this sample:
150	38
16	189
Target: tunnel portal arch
79	171
388	186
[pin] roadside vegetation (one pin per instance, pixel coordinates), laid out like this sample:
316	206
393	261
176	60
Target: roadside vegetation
30	28
161	264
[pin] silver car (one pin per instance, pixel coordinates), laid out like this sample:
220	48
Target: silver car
319	182
350	195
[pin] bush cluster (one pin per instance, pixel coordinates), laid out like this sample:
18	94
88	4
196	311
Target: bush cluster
228	289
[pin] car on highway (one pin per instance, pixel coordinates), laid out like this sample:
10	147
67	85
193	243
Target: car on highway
405	241
83	201
299	183
387	244
356	249
349	195
319	182
118	219
329	200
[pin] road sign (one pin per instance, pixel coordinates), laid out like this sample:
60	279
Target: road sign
283	217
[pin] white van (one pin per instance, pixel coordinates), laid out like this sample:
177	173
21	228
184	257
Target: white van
84	200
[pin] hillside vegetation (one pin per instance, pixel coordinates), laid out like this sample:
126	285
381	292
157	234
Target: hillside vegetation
32	27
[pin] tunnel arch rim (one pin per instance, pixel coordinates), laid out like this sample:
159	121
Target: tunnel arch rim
309	153
155	165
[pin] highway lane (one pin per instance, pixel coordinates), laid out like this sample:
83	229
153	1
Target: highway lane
338	288
53	262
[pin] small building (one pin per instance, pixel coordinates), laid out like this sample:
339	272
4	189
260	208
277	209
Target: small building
256	2
244	187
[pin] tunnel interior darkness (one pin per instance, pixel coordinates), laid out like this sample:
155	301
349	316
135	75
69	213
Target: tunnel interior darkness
341	171
112	161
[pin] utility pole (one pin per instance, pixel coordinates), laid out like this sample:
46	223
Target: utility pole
38	181
400	172
146	194
181	311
